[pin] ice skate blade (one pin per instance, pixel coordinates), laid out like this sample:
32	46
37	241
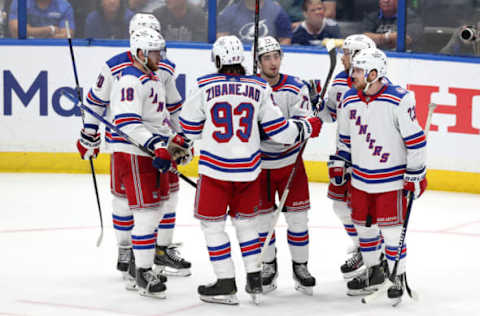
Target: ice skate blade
377	293
353	274
169	271
269	288
307	290
396	301
256	298
131	285
220	299
159	295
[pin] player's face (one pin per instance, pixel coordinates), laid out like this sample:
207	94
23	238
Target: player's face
154	57
315	14
346	59
270	64
358	76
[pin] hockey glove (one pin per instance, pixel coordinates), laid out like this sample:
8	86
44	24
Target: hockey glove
308	128
314	89
88	145
180	148
415	181
162	160
337	171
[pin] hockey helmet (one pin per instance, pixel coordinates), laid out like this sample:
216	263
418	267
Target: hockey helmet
228	50
356	42
268	44
141	20
147	40
371	59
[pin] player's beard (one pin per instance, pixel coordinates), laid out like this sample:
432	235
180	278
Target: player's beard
151	65
359	85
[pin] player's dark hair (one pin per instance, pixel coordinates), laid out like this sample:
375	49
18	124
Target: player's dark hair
232	69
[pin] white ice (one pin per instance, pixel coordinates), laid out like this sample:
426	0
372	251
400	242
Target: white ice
49	264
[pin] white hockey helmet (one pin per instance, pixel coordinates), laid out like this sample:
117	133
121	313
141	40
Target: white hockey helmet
370	59
147	40
229	50
267	44
141	20
356	42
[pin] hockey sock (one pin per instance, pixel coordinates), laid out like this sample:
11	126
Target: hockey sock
297	235
370	244
249	243
344	213
167	223
143	236
218	245
122	221
264	222
391	236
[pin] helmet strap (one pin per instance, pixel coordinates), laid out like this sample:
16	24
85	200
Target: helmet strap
144	63
367	86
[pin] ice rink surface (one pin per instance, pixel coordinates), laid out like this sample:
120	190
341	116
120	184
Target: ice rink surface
49	264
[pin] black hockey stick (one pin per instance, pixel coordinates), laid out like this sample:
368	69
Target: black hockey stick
333	62
133	142
255	37
393	275
79	95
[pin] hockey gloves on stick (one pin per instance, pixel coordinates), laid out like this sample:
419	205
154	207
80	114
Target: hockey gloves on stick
314	89
88	145
162	160
180	148
415	181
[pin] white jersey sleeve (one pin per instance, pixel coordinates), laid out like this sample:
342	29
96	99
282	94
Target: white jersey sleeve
192	116
98	99
173	98
412	133
343	135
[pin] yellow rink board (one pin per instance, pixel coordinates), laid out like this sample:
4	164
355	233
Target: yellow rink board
443	180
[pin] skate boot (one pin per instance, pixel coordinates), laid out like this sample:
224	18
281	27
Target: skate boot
254	286
124	254
131	282
304	281
224	291
353	266
269	276
149	284
368	282
168	261
395	292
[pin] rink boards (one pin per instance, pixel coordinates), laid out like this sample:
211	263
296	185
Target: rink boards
39	126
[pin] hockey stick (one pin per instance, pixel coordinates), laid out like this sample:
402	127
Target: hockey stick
255	36
333	62
371	297
79	96
133	142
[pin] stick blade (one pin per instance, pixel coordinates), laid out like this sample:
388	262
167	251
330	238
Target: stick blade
100	238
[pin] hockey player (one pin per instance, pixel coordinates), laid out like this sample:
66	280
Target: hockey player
98	99
383	142
291	95
225	113
340	175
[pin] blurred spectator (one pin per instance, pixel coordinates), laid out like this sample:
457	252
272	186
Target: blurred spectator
381	26
145	5
316	26
238	19
4	6
294	8
182	21
110	20
81	8
45	18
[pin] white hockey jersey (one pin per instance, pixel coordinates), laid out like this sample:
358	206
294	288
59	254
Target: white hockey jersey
224	113
138	109
290	94
380	135
98	97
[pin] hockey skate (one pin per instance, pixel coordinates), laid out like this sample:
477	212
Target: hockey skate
353	266
254	286
224	291
304	281
131	282
124	254
368	282
395	291
168	261
269	276
149	284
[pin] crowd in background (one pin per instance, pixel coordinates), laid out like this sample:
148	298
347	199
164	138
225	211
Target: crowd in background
432	25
